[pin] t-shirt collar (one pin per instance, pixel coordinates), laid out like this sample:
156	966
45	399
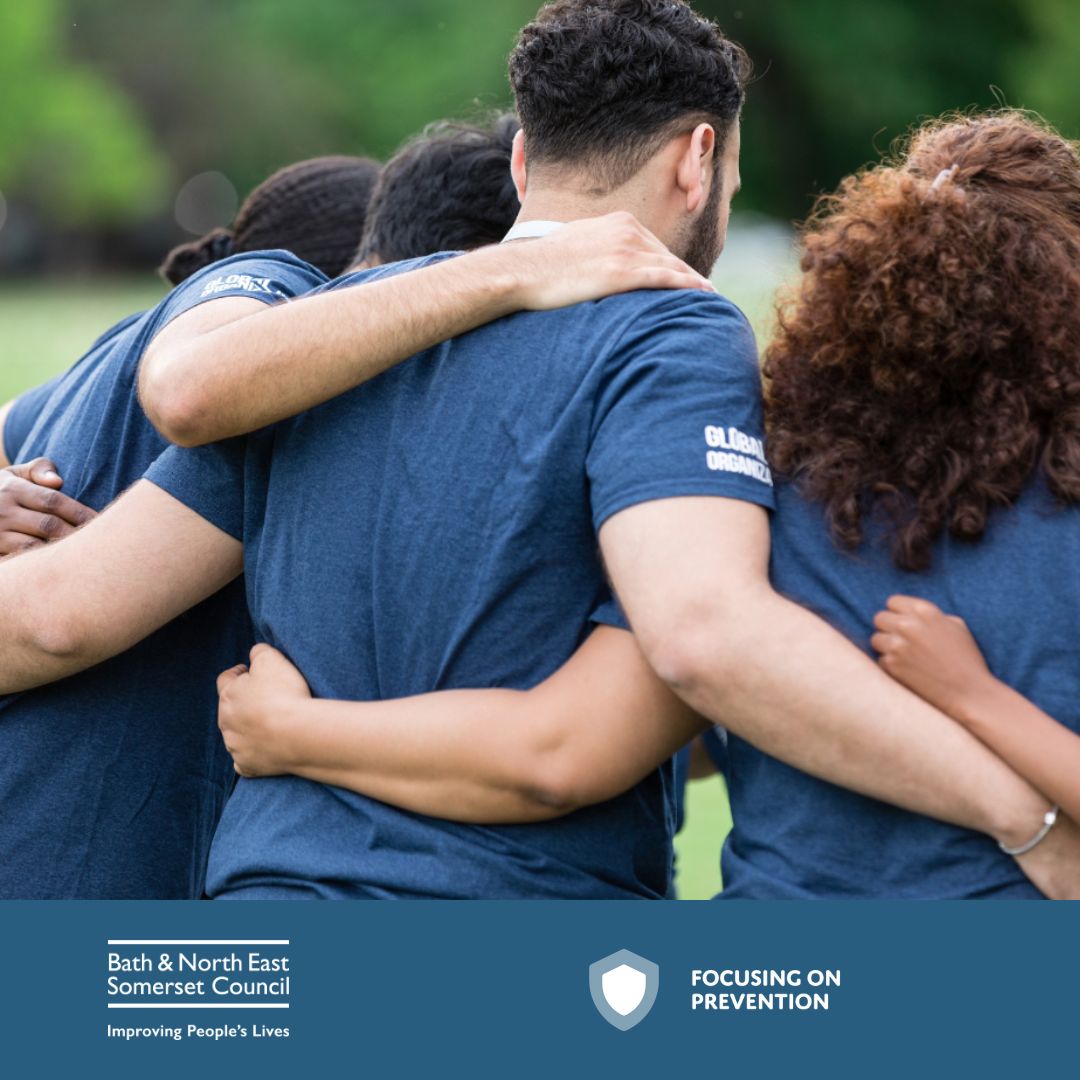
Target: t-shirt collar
530	230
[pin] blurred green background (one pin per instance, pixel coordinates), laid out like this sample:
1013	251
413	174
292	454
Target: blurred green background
111	109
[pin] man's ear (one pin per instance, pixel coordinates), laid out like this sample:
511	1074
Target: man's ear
517	164
697	167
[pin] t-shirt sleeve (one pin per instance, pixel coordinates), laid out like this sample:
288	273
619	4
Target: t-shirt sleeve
267	276
715	742
208	480
609	613
23	415
678	410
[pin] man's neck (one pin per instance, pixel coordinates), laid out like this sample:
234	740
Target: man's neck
564	206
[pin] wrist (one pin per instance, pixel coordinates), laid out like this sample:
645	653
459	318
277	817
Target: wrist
1014	817
979	703
285	734
500	280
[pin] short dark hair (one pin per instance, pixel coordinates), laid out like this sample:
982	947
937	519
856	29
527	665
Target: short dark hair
316	209
603	84
450	189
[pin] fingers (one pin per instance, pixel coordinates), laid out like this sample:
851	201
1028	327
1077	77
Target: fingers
36	526
43	471
912	605
884	643
890	623
226	678
14	543
673	277
20	492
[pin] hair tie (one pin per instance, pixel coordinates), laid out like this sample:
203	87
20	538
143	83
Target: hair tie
945	174
219	244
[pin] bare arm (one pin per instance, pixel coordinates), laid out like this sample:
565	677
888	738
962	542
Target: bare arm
200	383
591	731
775	674
145	560
936	656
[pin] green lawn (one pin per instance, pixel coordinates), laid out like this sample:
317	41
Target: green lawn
45	326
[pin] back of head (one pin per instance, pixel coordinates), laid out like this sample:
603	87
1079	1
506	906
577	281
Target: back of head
602	85
929	363
450	189
316	209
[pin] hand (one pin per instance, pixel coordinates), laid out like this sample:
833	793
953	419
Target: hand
256	706
32	509
1053	865
932	654
594	258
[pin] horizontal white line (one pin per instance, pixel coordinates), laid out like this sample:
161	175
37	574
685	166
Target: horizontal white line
208	1005
197	941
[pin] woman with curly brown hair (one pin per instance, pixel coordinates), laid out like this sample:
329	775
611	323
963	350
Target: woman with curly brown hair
924	401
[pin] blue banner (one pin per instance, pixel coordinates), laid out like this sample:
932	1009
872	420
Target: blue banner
539	989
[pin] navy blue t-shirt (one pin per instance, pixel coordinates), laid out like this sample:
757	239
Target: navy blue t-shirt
436	528
112	781
797	837
20	419
27	407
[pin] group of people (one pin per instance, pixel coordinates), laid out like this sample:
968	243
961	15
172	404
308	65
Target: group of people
470	455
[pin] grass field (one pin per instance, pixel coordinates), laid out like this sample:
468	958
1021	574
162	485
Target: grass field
45	326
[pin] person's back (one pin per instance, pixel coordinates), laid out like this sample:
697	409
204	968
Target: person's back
922	401
798	837
471	481
468	485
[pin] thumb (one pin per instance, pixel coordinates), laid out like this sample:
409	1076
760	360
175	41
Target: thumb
43	471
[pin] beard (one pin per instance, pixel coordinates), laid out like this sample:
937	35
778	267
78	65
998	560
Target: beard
704	243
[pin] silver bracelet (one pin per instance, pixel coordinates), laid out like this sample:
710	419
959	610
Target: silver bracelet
1049	821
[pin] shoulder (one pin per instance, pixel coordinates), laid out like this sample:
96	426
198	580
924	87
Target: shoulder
707	316
388	270
277	274
685	327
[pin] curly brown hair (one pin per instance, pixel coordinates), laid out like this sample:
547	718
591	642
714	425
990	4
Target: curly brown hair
928	363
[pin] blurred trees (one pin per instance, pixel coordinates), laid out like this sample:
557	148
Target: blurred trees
839	80
70	140
110	105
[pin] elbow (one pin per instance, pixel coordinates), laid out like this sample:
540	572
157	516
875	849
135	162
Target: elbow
173	404
701	658
554	788
54	646
682	660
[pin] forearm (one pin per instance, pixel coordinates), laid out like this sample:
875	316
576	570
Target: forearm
598	725
66	607
798	690
277	363
453	755
1043	751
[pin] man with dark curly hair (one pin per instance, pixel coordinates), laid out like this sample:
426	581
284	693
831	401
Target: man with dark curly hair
473	486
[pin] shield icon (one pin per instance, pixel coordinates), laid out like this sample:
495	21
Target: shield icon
623	987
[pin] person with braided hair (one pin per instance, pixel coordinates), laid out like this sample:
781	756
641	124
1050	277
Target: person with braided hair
314	208
113	782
